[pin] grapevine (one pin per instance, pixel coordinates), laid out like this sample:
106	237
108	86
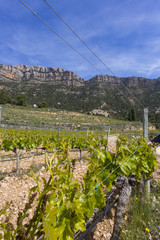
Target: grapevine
64	204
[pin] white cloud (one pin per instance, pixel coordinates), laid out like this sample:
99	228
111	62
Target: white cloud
124	34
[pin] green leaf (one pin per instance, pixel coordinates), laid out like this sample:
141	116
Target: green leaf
4	210
80	226
33	189
49	222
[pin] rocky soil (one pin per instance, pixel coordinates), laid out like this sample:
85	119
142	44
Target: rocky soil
156	174
15	189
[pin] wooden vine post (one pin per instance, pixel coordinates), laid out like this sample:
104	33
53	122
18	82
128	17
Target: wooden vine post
18	161
125	186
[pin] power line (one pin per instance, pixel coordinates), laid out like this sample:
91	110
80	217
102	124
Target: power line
78	51
89	49
59	36
125	95
77	35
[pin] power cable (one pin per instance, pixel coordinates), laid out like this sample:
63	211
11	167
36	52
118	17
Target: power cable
90	49
125	95
59	36
76	50
76	35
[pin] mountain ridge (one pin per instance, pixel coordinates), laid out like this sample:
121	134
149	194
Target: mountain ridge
64	74
66	90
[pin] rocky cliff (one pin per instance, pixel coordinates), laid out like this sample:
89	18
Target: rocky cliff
37	74
59	76
128	81
66	90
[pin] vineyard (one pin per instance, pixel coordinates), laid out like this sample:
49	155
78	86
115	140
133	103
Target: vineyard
81	176
79	148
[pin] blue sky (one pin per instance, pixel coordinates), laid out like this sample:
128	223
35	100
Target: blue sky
124	34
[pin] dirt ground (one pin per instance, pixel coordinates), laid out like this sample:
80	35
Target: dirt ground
15	189
156	174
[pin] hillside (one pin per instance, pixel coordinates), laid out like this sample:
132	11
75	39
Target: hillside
64	89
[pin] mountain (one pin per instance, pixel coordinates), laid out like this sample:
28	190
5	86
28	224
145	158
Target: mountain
38	75
66	90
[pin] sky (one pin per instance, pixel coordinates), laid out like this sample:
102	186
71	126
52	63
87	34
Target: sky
124	34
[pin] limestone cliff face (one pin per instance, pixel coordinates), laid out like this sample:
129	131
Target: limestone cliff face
59	76
64	89
102	79
37	74
128	81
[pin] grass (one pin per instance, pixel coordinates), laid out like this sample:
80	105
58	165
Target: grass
142	219
44	118
50	118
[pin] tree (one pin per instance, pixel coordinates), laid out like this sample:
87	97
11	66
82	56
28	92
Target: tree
42	104
157	120
132	115
4	97
21	100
